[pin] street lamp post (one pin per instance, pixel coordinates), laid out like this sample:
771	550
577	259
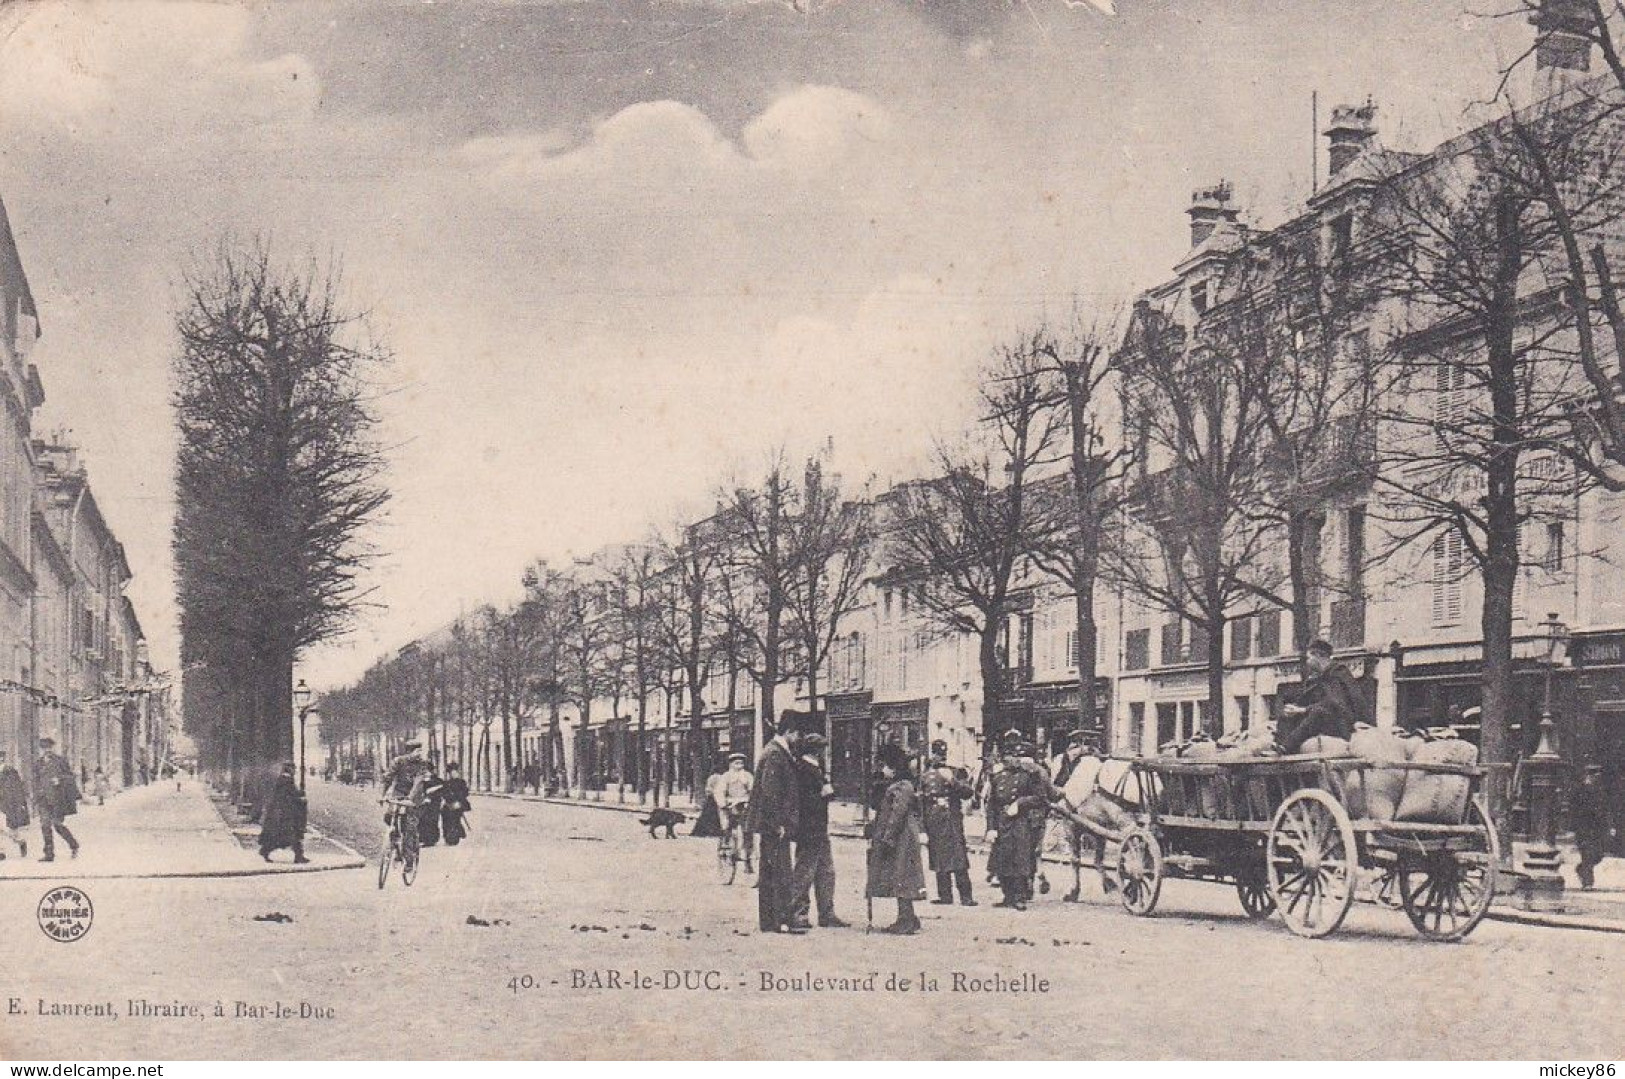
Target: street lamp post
301	700
1540	785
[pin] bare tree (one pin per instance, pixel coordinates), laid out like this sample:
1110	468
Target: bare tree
277	476
954	541
685	629
636	583
1073	518
1469	245
757	564
1194	543
829	540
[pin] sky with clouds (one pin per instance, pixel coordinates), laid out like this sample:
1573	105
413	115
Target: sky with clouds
622	249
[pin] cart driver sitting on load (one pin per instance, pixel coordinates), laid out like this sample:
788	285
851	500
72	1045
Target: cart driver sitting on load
1328	704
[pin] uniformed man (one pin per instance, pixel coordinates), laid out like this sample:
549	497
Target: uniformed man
943	791
1016	792
1037	817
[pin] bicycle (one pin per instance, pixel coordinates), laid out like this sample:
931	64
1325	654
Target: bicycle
731	847
403	844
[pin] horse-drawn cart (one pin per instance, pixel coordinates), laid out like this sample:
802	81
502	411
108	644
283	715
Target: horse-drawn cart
1294	833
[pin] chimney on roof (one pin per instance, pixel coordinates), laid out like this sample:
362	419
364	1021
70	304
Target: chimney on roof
1563	35
1351	130
1209	207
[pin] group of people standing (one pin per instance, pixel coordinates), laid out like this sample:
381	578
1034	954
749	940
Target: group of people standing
56	798
789	816
789	796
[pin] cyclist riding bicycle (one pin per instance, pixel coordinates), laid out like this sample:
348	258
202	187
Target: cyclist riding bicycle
733	801
404	781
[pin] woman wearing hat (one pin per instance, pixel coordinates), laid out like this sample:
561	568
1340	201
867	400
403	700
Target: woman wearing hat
895	870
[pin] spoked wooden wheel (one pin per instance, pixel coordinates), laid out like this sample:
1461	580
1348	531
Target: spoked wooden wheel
727	863
1312	862
1253	887
1447	893
411	850
1139	871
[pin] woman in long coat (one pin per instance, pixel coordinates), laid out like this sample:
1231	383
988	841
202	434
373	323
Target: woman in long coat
453	804
282	821
895	871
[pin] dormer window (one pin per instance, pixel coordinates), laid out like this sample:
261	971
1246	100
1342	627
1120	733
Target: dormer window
1200	299
1342	235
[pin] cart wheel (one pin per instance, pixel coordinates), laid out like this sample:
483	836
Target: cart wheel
1312	862
1253	886
1449	892
1139	870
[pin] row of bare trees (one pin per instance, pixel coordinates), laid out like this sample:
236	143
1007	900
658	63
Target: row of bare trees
758	591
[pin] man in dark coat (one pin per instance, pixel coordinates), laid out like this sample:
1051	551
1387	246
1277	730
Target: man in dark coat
1328	705
943	791
283	820
1590	818
1016	792
815	863
775	815
13	804
56	797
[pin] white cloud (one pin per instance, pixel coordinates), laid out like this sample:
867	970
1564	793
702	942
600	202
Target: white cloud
125	70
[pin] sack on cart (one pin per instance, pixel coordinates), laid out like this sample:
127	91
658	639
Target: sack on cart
1431	798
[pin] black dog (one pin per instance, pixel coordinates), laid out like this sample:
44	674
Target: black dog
668	819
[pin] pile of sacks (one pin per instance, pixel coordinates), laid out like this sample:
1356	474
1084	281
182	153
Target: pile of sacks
1401	794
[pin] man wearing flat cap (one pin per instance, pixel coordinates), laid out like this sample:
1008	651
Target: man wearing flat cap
56	797
815	864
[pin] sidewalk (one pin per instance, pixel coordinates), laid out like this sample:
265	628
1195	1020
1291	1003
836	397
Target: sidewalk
1601	909
160	831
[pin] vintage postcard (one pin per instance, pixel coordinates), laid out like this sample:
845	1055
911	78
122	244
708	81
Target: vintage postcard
812	529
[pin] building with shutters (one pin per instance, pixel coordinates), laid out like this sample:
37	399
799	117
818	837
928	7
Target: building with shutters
1406	624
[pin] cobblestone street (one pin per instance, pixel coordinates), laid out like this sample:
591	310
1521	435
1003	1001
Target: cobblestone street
575	896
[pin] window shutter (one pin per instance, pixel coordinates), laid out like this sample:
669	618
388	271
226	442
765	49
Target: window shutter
1447	571
1520	589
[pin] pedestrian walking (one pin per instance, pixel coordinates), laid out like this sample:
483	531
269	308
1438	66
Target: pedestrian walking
430	809
775	815
943	791
710	821
815	863
895	870
1590	816
98	781
454	805
284	818
13	804
56	798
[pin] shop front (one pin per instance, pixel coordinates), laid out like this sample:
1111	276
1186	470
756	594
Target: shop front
850	726
1055	714
902	722
1599	735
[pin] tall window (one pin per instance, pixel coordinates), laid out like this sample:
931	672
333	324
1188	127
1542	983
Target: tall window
1552	562
1448	564
1137	649
1354	550
1449	401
